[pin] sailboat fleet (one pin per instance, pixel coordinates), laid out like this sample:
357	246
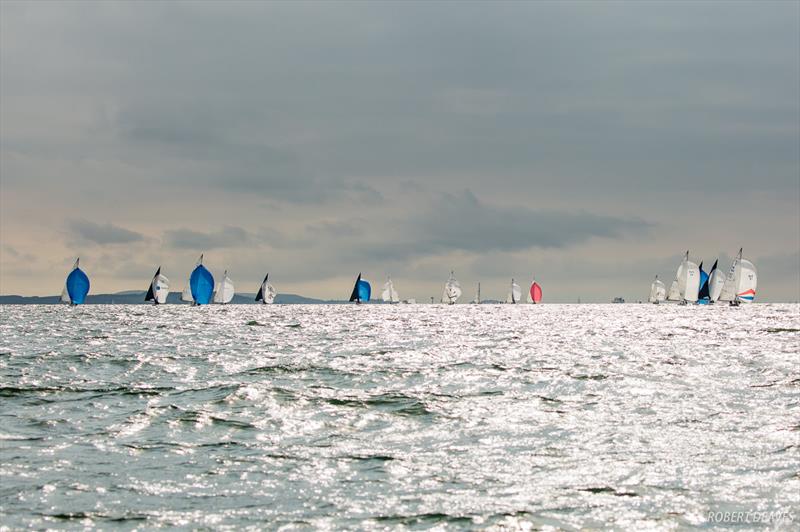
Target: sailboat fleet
693	285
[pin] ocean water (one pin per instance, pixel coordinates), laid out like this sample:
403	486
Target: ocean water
387	417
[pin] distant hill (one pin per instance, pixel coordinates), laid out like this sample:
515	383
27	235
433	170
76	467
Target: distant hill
136	297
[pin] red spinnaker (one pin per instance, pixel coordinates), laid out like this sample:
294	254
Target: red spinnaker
536	292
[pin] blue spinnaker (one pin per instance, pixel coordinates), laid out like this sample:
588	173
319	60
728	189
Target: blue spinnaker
703	292
364	290
201	283
77	286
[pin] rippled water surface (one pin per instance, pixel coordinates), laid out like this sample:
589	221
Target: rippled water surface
570	416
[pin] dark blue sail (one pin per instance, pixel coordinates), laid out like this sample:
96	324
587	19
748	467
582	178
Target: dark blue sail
260	294
201	283
703	293
361	290
77	285
364	290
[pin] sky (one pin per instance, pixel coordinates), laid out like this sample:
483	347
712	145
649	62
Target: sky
588	144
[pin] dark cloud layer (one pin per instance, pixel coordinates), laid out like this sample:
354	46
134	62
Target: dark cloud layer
227	237
102	233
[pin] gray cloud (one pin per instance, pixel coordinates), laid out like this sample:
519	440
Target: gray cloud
102	233
227	237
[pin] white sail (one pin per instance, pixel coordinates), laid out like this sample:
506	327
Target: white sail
65	295
389	294
160	287
224	291
674	294
514	293
748	280
692	283
452	290
186	295
715	283
268	293
731	284
658	291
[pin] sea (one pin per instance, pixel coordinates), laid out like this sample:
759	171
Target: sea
392	417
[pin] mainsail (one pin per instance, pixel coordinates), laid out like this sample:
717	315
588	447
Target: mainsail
731	284
159	289
362	290
266	292
389	294
514	293
658	291
224	291
688	279
76	286
674	294
716	280
535	293
452	290
201	284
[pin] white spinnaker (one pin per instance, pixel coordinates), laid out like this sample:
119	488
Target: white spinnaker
389	294
268	292
715	283
729	288
225	291
161	288
692	284
452	290
748	280
674	294
514	293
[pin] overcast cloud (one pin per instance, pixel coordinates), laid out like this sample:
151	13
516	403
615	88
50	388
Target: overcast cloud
589	142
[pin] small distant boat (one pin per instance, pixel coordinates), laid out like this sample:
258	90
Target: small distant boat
411	301
514	293
224	292
159	289
477	300
535	293
452	290
740	283
76	286
618	300
389	294
201	285
658	291
361	290
266	292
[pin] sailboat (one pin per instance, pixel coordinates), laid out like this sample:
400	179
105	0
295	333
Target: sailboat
76	286
535	293
688	279
514	293
740	283
702	294
159	289
674	294
658	291
266	292
452	290
477	300
200	287
389	294
361	290
223	294
716	280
